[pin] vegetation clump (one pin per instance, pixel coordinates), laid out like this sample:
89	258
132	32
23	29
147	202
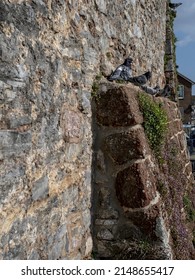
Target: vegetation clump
95	85
155	122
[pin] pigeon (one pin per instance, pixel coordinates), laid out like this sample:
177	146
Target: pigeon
151	90
166	91
122	72
140	80
174	5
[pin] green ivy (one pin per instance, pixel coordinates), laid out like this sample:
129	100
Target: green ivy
155	122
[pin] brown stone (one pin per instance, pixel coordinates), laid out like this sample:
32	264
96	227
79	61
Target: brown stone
118	107
126	146
166	107
146	220
135	185
171	109
182	141
71	124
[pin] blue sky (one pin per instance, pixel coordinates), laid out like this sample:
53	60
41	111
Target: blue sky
184	27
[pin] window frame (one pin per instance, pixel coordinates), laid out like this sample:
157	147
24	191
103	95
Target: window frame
179	91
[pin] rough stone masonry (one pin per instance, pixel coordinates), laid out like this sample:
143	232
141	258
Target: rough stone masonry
50	54
140	209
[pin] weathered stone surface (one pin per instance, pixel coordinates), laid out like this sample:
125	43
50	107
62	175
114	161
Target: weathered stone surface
123	147
136	185
108	213
71	124
13	143
129	231
182	140
40	188
105	234
146	220
89	246
100	161
50	55
126	108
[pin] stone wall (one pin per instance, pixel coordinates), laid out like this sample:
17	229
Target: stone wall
170	52
51	52
140	203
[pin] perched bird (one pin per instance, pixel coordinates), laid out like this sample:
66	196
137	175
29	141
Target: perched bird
166	91
140	80
174	5
122	72
151	90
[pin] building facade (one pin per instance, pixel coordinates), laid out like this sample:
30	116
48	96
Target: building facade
185	98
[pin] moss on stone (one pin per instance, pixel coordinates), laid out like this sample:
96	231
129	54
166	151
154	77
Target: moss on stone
155	122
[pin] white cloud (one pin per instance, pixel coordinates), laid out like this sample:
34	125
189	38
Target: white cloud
184	22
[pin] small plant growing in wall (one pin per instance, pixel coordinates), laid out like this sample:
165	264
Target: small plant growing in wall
155	122
95	85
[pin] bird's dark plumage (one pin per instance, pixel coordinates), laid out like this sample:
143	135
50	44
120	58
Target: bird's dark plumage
122	72
166	91
174	5
140	80
151	90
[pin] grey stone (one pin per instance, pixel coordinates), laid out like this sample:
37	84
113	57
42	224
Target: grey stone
137	31
40	188
14	143
100	161
133	2
110	30
103	222
70	197
90	55
72	152
84	98
170	66
10	179
17	121
105	234
61	233
34	255
101	4
56	251
129	231
108	213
